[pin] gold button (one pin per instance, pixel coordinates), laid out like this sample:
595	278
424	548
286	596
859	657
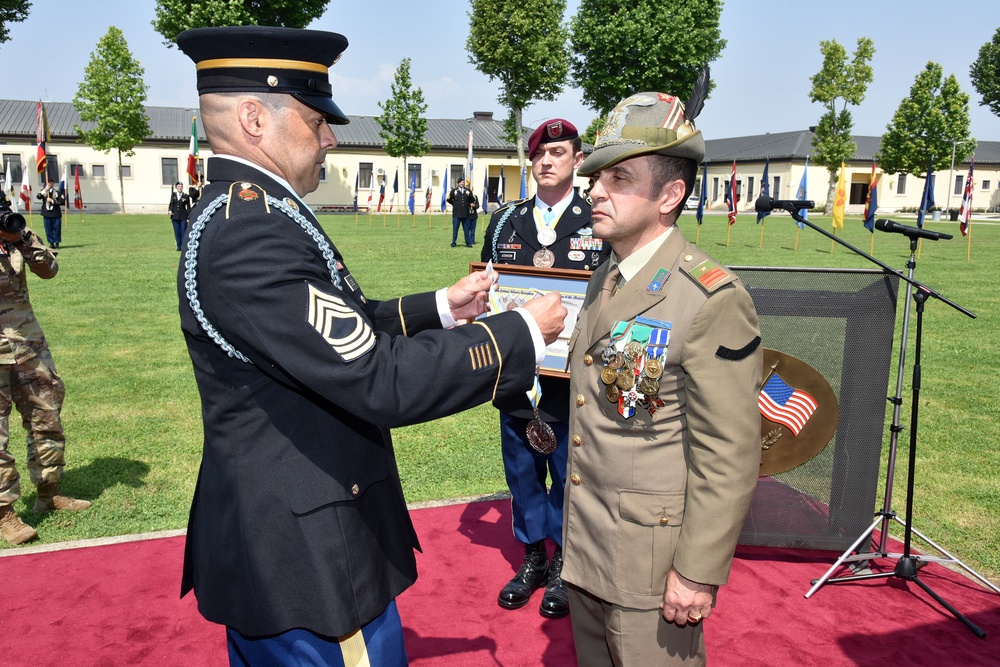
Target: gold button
577	440
272	81
355	490
588	360
664	520
688	258
580	400
576	480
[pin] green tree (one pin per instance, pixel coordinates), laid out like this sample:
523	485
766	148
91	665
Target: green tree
175	16
622	47
838	84
522	44
931	123
110	99
12	11
402	125
985	74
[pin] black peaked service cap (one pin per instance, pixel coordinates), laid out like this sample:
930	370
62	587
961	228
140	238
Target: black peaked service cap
266	59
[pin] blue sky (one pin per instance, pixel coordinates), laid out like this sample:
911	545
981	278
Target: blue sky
762	77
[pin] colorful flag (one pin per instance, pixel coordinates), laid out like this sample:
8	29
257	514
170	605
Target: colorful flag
381	193
965	212
444	192
468	177
41	136
357	181
783	405
703	199
800	194
731	195
927	198
840	199
62	184
371	187
395	189
500	188
25	190
765	191
77	193
524	184
192	165
486	190
413	191
427	204
871	203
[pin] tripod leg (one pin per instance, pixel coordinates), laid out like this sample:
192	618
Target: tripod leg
843	557
976	630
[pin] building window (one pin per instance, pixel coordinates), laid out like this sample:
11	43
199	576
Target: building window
97	171
901	185
51	170
168	171
365	172
126	171
959	184
456	173
715	188
776	189
411	171
750	180
14	160
76	168
986	183
322	174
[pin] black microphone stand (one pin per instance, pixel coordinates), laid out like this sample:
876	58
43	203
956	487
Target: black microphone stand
907	565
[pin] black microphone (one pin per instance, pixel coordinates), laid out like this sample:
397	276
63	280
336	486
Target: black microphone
766	204
911	232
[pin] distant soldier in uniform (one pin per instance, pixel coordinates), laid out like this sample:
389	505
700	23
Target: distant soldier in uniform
52	203
29	380
179	209
551	229
462	201
299	539
667	365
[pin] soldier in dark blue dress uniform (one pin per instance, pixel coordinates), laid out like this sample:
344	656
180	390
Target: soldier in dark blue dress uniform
299	538
551	229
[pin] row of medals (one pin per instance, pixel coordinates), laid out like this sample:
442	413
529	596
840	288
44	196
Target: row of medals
619	373
544	258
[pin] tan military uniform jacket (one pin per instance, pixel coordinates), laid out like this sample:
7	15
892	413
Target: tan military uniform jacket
672	488
21	336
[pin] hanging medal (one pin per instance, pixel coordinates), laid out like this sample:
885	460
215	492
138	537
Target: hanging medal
540	435
544	258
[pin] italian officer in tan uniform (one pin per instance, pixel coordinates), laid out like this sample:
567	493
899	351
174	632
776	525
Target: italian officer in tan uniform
666	366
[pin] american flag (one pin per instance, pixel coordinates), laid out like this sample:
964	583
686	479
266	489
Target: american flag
786	406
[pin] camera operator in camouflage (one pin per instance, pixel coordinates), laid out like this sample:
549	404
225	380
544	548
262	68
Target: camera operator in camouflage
28	379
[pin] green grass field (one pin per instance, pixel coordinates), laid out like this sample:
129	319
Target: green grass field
132	413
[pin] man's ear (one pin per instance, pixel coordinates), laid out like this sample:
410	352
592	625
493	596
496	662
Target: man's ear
671	196
253	116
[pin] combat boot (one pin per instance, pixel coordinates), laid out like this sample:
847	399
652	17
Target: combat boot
13	529
51	498
533	573
555	602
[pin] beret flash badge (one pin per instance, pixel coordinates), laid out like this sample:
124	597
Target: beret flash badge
343	328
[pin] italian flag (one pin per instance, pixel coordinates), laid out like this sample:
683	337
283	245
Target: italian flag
192	168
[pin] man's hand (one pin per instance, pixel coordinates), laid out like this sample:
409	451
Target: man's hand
549	314
686	601
468	297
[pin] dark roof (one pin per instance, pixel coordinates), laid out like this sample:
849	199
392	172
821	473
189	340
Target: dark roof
798	145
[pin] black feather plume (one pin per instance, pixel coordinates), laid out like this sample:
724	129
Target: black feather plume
697	100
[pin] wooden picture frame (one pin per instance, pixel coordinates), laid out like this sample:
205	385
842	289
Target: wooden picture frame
518	284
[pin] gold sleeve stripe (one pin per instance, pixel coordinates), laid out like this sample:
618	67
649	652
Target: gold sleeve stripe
402	320
353	649
499	358
276	63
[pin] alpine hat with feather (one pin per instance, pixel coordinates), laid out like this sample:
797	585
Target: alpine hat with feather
646	123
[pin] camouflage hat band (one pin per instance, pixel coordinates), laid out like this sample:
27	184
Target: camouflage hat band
651	136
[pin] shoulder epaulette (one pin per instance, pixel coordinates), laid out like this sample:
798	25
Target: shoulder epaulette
247	192
707	273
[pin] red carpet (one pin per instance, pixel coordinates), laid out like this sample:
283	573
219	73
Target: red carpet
118	605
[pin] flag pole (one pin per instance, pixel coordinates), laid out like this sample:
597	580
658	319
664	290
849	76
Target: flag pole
833	243
968	241
729	232
697	235
796	248
761	245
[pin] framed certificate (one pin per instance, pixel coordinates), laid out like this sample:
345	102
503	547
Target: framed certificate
518	284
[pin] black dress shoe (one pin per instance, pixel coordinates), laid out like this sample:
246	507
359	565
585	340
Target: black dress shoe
533	573
555	602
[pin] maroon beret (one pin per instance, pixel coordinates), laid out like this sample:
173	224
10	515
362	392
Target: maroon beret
556	129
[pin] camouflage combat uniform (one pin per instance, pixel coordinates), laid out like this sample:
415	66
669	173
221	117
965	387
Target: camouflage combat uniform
28	375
